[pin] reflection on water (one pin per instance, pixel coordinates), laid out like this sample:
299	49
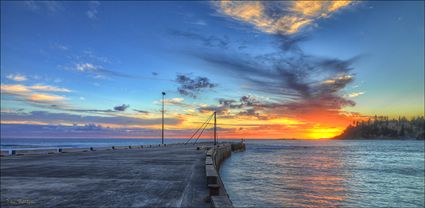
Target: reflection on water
327	174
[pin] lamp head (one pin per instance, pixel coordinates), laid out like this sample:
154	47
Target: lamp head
163	93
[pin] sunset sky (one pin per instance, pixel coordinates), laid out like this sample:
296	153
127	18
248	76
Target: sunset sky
269	69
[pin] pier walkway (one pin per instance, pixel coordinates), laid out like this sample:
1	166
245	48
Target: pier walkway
171	176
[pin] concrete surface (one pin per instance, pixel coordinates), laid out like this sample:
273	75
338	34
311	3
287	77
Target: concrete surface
172	176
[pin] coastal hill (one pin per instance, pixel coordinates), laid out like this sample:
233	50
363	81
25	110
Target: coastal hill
380	127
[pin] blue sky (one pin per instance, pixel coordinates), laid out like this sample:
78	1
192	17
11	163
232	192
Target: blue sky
95	56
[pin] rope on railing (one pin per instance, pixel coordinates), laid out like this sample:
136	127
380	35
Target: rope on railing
201	127
203	130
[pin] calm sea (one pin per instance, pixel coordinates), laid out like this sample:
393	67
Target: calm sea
17	144
299	173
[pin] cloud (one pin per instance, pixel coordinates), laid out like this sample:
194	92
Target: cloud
85	67
118	108
280	17
50	6
298	84
221	110
98	67
206	40
38	97
355	94
87	130
59	46
17	77
252	112
92	12
25	88
66	118
85	110
122	107
48	88
141	111
99	71
33	93
199	22
192	86
174	101
297	76
246	106
12	89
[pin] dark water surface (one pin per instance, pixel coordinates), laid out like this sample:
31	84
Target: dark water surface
16	144
299	173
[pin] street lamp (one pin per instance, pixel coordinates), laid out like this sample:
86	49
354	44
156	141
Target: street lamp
163	94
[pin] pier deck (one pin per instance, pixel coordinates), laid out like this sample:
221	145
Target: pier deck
172	176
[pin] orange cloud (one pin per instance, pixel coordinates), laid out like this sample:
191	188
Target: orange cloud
32	93
336	5
289	21
308	8
46	97
24	88
14	89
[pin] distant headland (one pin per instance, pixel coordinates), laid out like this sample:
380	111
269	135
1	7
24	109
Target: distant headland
380	127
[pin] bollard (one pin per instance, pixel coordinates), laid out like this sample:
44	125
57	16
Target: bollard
214	189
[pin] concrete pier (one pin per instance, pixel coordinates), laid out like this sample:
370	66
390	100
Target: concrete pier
166	176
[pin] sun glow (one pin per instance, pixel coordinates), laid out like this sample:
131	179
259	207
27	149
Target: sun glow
324	133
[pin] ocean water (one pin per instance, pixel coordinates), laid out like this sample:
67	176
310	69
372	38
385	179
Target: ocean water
300	173
19	144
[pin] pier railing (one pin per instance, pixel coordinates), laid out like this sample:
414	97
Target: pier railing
214	157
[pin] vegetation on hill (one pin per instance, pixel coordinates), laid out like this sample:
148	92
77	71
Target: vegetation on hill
380	127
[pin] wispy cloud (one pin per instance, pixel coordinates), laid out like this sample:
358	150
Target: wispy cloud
17	77
303	86
355	94
98	71
174	101
87	130
199	22
286	17
26	88
48	88
67	118
50	6
59	46
141	111
92	12
34	93
206	40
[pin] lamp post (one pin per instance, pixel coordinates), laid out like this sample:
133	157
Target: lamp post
162	135
215	128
